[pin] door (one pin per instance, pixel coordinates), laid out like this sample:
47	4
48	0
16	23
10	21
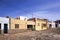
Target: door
29	27
50	26
0	28
5	28
56	25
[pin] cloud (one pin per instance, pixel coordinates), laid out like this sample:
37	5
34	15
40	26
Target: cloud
40	11
38	14
48	14
44	15
54	5
48	6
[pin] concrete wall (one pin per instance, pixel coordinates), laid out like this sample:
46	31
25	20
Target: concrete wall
23	18
22	24
4	21
59	25
30	23
53	24
39	24
48	24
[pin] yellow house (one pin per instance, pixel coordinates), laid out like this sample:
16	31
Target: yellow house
40	24
20	24
32	23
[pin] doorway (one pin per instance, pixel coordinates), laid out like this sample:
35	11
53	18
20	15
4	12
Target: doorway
50	25
0	28
5	28
56	25
30	27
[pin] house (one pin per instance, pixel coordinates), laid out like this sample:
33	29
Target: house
20	24
4	24
22	18
57	23
32	23
51	24
40	24
24	23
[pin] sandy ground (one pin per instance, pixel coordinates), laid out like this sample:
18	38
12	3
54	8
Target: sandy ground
49	34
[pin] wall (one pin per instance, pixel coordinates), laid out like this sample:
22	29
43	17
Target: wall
22	24
23	18
39	27
48	24
53	24
30	23
3	21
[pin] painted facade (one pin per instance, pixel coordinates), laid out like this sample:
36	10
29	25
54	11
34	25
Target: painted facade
53	24
22	24
35	23
32	23
22	18
49	24
57	23
4	21
40	24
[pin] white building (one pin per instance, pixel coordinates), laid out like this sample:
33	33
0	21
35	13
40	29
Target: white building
21	18
4	23
59	25
53	24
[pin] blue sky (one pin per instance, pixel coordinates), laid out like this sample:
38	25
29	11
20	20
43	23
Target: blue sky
49	9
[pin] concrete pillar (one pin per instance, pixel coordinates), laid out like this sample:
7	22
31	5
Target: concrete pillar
33	27
9	22
2	28
35	23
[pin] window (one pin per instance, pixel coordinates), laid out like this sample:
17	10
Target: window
16	25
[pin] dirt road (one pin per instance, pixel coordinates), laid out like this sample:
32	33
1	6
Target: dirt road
33	35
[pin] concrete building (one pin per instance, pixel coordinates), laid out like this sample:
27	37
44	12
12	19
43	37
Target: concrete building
40	24
4	24
24	23
32	23
57	23
22	18
20	24
53	24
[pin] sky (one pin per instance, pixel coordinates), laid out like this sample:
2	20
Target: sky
48	9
